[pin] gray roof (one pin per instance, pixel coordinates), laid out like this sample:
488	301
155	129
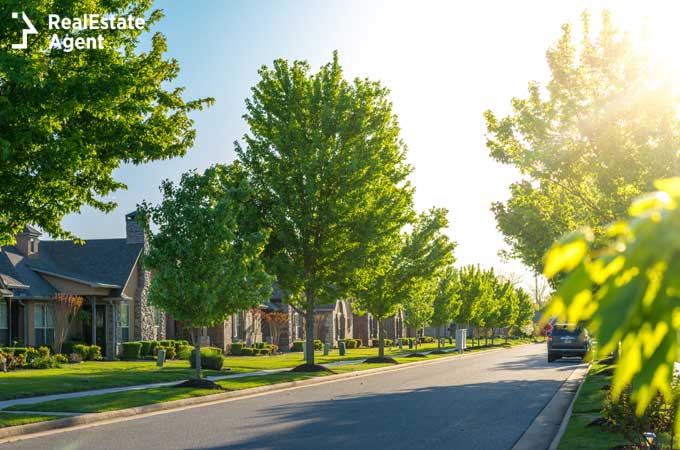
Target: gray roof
98	263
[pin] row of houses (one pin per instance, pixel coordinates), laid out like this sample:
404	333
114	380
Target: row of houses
109	275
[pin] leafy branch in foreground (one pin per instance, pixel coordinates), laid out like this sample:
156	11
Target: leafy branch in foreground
629	291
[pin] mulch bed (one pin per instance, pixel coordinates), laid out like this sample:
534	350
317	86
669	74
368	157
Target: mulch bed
416	355
201	384
311	368
438	352
379	360
599	422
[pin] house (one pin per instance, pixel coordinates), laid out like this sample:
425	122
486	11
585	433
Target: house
366	327
107	273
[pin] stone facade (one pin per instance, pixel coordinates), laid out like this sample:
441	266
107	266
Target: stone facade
333	322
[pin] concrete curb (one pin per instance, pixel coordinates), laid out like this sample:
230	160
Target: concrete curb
565	420
548	426
28	431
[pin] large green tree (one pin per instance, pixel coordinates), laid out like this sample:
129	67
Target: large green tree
206	256
330	175
407	278
476	294
597	134
69	119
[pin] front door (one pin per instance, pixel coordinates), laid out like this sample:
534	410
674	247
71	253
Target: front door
101	329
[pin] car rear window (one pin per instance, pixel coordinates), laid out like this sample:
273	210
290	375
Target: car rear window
566	332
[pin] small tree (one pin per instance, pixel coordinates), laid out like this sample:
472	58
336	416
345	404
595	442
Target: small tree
446	301
65	310
275	320
205	256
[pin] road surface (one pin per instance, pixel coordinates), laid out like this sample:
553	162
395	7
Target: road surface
482	401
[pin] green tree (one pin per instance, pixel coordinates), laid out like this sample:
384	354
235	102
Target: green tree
329	171
446	305
406	279
69	119
595	136
629	291
504	307
205	256
526	309
475	293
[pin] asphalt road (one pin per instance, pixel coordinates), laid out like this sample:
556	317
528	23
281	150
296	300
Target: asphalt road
484	401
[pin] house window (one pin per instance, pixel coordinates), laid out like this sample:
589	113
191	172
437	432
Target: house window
32	245
157	322
4	332
43	325
298	326
237	327
124	320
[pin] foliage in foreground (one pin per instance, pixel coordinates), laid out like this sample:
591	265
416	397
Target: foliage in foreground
629	291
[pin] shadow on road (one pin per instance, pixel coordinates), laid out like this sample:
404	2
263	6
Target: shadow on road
531	362
473	416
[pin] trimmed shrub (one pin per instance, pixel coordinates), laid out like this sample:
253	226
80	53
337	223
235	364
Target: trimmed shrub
426	339
170	352
257	351
185	352
31	354
67	347
94	353
82	350
318	345
152	348
298	346
236	348
44	351
274	348
132	350
61	359
211	358
146	348
16	351
43	362
247	351
17	361
350	343
167	343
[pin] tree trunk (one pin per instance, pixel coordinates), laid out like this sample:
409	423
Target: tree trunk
309	331
381	338
197	350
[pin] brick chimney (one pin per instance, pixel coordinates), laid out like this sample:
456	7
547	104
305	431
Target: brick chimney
28	241
134	232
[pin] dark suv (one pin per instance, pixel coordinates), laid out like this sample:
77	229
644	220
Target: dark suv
567	340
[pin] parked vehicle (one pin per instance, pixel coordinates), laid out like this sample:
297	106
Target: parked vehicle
567	340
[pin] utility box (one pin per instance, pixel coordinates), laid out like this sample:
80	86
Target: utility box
461	339
341	348
326	349
161	358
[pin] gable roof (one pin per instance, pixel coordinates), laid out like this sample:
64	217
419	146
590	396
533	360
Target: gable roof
105	263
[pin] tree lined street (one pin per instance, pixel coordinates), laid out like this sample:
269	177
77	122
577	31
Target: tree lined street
481	401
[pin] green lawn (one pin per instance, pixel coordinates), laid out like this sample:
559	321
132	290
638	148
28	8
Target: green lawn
92	375
121	400
587	408
105	374
11	420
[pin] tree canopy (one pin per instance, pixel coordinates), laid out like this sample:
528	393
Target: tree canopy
69	119
595	136
330	177
205	257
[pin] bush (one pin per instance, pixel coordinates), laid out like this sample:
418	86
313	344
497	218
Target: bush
43	362
132	350
247	351
318	345
211	358
257	351
152	348
426	339
236	348
17	351
18	361
298	346
30	354
44	351
167	343
67	347
61	359
146	348
349	343
82	350
184	352
274	348
170	353
94	353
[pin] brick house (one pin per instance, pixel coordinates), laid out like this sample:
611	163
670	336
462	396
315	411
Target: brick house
366	327
107	273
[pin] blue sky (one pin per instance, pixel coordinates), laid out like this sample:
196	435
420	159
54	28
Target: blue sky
445	63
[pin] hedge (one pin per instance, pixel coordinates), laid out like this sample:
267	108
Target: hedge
132	350
247	351
376	342
67	347
426	339
211	358
184	352
236	348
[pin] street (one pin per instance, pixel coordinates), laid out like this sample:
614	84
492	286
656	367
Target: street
483	401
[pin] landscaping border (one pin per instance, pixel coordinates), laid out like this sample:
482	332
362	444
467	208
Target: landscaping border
556	411
21	432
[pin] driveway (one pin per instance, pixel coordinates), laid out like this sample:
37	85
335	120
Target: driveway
481	401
